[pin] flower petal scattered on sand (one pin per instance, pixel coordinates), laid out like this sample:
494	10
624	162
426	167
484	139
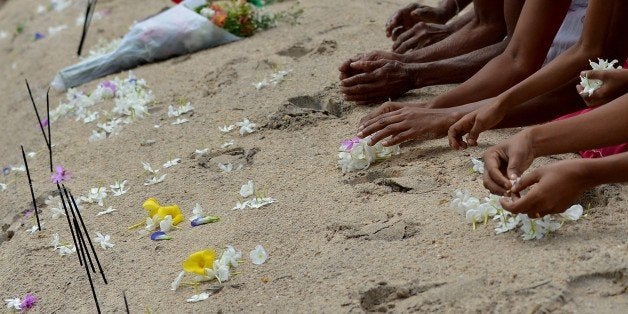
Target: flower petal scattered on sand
180	121
60	175
28	302
247	189
246	126
573	213
204	220
155	180
159	236
478	165
198	297
103	240
359	155
228	167
13	304
197	262
165	224
171	163
201	152
106	211
177	281
226	128
258	255
3	186
118	188
197	211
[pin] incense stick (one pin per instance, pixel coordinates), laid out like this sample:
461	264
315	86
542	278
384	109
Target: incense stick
79	234
91	5
89	276
30	184
102	273
49	122
67	216
126	303
37	113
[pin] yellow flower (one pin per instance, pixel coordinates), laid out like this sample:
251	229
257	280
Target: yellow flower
154	208
198	261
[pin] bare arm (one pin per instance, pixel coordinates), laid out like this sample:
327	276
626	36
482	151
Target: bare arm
523	56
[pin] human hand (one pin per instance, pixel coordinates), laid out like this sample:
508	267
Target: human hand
506	161
404	122
475	123
615	84
404	19
347	71
553	189
420	35
378	81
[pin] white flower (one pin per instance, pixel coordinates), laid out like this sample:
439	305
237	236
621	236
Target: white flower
201	152
573	213
226	128
356	154
165	224
537	228
207	12
589	85
261	84
226	144
3	35
197	212
247	189
481	213
478	165
230	256
13	304
179	121
106	211
53	30
240	205
172	112
118	188
246	126
603	64
33	229
198	297
155	180
31	154
151	224
258	255
55	241
278	76
506	222
97	136
171	163
3	186
56	212
259	202
463	201
221	271
226	167
95	195
148	168
66	250
21	168
177	281
103	240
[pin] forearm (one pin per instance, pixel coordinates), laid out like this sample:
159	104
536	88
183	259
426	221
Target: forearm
459	22
611	169
549	106
604	126
450	8
457	69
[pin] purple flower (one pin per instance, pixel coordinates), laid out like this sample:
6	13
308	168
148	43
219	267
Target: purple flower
28	302
60	175
39	36
204	220
111	86
347	145
44	122
160	235
6	170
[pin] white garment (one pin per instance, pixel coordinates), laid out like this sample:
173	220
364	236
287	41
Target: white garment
570	30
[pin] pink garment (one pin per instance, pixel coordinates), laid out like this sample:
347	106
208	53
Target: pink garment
599	152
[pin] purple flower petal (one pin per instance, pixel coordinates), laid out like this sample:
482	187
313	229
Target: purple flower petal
60	175
204	220
28	302
39	36
160	235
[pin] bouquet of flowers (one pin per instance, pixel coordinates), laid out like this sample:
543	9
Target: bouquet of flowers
177	31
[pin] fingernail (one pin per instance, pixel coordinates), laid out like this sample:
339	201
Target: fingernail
513	176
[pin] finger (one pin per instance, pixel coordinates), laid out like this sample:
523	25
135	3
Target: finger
392	23
457	130
383	109
399	138
388	130
381	123
493	186
515	166
580	88
361	78
369	102
594	74
368	66
402	38
526	181
474	133
408	45
530	203
493	162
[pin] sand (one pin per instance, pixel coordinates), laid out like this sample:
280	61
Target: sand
383	239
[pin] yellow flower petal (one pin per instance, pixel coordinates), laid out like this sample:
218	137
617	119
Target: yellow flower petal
151	205
173	210
198	261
